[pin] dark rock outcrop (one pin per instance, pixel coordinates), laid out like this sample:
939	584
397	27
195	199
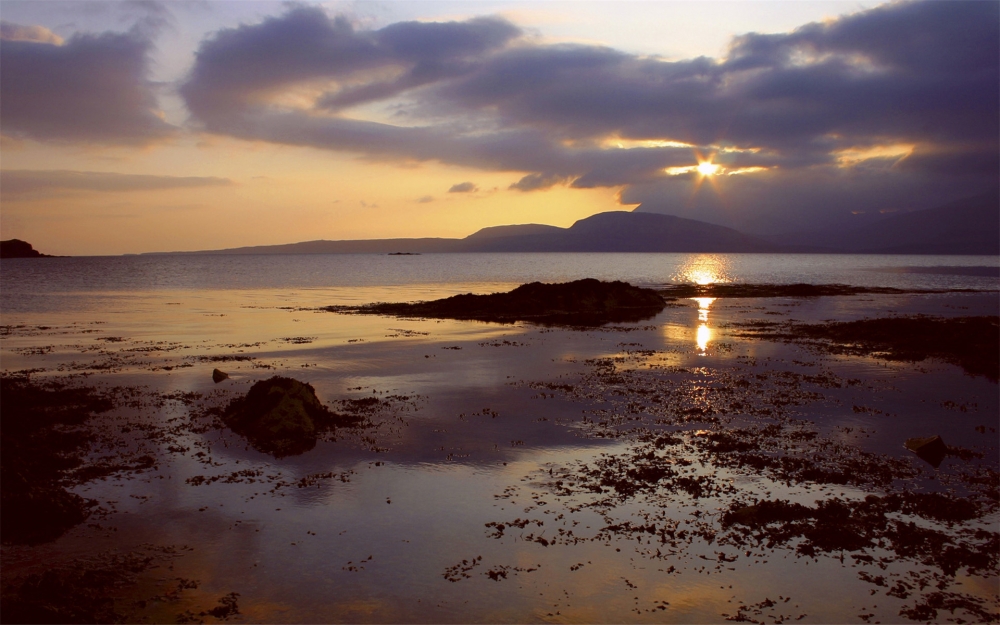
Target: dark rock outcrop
218	376
587	302
282	416
16	248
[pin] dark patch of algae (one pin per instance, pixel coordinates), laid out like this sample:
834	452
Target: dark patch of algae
907	542
969	342
49	437
51	441
42	440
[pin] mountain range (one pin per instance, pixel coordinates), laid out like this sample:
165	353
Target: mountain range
968	226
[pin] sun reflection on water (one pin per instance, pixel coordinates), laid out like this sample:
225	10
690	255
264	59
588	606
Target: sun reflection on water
703	304
704	333
703	269
703	336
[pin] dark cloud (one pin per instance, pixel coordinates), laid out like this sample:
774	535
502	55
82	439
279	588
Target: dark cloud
463	187
93	88
20	183
238	67
803	199
920	78
537	182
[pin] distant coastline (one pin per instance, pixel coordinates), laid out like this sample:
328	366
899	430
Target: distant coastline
966	227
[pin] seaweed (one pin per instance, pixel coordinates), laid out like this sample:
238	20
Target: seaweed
41	441
969	342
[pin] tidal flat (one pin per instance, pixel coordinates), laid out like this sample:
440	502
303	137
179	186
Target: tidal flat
731	458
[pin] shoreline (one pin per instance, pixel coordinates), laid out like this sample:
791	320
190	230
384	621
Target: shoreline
665	439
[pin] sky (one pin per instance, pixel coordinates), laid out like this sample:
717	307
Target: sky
138	126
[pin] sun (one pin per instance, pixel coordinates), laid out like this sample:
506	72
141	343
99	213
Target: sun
707	168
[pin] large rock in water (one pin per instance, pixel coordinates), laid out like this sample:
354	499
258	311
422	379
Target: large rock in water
585	302
280	416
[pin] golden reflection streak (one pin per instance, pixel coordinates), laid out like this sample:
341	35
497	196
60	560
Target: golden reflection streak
704	334
702	269
703	304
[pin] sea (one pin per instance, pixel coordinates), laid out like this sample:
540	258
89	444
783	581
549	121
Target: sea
491	484
75	283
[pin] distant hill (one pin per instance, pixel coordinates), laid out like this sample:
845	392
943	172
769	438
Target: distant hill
970	226
616	231
623	231
359	246
967	226
16	248
496	232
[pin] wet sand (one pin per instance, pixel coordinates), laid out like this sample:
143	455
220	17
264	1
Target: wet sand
697	466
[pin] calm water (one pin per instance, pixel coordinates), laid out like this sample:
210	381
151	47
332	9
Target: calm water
26	279
393	524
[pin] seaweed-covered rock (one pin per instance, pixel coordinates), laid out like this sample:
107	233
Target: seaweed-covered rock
587	302
281	416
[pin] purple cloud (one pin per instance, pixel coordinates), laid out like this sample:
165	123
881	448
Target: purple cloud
807	121
17	183
463	187
93	88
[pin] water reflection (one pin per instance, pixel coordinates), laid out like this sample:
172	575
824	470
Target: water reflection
704	269
704	333
703	336
703	304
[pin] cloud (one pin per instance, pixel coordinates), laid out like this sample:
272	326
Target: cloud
148	17
536	182
92	88
304	45
23	183
39	34
781	109
463	187
425	199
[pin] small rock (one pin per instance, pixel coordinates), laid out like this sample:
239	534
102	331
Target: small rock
930	449
218	376
282	416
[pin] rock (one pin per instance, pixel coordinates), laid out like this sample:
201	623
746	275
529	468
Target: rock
218	376
587	302
931	449
280	416
16	248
